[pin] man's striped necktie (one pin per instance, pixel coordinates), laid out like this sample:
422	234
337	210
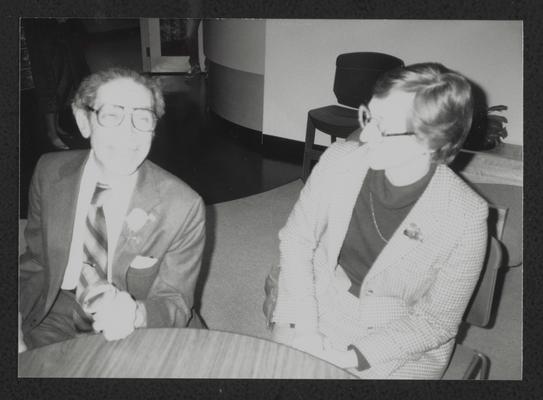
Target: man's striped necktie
93	279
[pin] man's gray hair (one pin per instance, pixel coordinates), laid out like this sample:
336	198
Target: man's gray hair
85	95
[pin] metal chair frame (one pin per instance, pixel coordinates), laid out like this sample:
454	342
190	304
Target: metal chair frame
478	313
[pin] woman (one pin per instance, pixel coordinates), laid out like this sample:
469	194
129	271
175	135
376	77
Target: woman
382	250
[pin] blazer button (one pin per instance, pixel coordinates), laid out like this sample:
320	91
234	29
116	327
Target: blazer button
369	291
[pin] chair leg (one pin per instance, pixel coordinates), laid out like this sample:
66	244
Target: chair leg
485	366
308	148
479	363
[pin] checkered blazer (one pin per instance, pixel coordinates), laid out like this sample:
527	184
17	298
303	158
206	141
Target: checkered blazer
414	296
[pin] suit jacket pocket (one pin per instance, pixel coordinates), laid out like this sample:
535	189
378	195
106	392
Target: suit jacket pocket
139	281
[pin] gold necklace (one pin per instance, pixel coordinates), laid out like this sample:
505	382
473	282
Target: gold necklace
375	220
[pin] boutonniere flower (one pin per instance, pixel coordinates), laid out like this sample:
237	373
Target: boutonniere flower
137	219
413	232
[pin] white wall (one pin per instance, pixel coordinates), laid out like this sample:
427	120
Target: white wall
235	49
236	43
300	62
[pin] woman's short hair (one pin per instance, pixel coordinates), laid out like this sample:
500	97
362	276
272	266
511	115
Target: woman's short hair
86	93
442	108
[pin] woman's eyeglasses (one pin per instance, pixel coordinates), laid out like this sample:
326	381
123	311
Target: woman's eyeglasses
365	118
112	115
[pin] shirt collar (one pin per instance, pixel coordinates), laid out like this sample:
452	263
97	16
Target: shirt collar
94	174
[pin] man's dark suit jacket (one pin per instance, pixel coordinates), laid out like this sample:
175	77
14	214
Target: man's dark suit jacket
173	232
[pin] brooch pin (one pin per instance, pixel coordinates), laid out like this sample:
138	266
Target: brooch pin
413	232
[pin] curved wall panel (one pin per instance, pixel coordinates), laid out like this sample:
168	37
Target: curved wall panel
235	54
236	95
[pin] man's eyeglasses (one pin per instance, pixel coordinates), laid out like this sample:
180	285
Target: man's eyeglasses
365	118
112	115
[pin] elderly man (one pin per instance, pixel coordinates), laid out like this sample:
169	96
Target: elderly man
114	242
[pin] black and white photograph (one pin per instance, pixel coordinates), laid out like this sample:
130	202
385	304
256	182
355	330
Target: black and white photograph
270	198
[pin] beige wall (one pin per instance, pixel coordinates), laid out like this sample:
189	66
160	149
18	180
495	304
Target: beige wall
300	57
235	52
236	43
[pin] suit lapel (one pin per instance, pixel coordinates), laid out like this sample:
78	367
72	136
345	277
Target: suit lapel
347	185
61	220
146	197
421	219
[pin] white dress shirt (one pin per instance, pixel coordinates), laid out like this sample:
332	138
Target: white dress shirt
115	209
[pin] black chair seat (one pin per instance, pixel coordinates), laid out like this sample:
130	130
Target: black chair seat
336	120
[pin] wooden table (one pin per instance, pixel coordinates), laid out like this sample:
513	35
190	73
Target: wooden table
175	353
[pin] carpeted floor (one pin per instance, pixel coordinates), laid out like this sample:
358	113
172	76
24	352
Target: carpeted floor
242	245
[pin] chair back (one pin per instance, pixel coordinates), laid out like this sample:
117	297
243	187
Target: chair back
507	197
356	74
479	310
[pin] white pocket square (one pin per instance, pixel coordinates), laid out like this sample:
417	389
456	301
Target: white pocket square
140	262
